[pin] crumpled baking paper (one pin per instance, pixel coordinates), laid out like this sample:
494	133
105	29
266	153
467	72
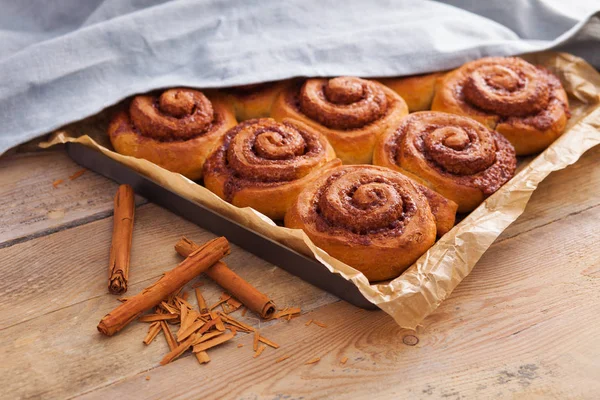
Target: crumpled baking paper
422	287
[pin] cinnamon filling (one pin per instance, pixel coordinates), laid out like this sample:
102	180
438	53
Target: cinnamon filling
457	147
342	102
364	201
177	114
507	87
265	152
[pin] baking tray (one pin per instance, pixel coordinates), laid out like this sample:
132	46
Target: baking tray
293	262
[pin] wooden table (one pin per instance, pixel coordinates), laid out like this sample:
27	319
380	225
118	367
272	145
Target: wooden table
524	324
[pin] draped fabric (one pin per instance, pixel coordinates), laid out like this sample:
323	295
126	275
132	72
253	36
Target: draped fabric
63	60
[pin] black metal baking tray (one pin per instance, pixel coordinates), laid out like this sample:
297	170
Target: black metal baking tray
293	262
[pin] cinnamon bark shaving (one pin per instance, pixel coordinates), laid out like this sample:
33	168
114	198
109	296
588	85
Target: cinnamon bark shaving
153	331
259	351
77	174
280	359
287	312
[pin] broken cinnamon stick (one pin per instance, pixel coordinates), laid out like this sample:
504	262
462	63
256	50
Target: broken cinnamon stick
232	283
152	332
196	263
120	249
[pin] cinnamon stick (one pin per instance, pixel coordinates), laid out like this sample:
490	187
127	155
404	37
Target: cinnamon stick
232	283
196	263
120	249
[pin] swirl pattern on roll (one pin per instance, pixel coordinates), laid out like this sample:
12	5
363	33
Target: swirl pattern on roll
447	152
507	87
175	129
177	114
375	219
343	102
350	111
266	151
364	203
524	102
263	153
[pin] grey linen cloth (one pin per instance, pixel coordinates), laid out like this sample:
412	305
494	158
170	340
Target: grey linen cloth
64	60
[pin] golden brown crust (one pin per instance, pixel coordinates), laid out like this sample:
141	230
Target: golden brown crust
456	156
526	103
442	208
264	164
372	218
253	101
416	90
176	130
351	112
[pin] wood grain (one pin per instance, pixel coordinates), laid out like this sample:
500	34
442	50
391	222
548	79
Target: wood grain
524	324
564	192
69	267
32	206
507	331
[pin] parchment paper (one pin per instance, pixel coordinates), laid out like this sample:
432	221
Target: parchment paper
422	287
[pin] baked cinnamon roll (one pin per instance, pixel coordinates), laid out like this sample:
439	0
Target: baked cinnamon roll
525	103
253	101
176	129
456	156
351	112
372	218
264	164
416	90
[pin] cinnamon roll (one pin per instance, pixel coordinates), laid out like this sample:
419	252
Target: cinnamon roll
456	156
351	112
372	218
253	101
416	90
264	164
176	129
525	103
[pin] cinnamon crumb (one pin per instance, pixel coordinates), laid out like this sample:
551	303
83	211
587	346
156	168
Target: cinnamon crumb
313	360
309	322
147	378
343	360
256	339
77	174
240	345
286	311
280	359
268	342
57	182
259	351
322	325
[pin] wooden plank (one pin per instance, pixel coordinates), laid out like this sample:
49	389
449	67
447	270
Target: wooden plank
46	274
564	192
32	206
69	298
524	324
